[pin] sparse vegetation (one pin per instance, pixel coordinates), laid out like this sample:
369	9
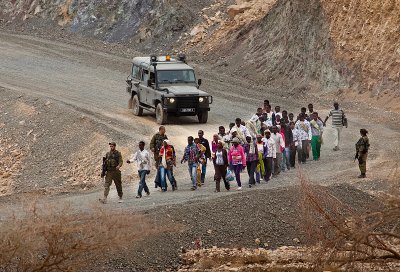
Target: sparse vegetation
52	239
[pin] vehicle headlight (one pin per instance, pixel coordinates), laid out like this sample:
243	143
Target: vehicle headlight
171	100
201	99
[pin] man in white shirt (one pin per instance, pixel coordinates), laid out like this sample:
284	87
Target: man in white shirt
242	131
294	145
305	136
279	146
268	159
143	160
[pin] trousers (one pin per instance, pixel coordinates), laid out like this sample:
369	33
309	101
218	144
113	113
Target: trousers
251	169
362	163
142	182
237	169
268	168
316	146
114	175
164	172
193	173
336	135
220	173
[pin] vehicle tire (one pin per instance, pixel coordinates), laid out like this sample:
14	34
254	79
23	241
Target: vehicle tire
161	116
203	117
137	110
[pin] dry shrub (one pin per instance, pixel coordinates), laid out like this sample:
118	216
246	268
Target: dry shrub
44	239
350	239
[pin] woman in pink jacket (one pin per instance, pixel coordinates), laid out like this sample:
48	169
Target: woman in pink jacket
237	160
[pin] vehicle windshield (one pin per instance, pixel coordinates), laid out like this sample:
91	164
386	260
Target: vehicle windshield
174	76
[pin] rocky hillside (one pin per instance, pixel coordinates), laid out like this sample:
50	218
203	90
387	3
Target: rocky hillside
339	48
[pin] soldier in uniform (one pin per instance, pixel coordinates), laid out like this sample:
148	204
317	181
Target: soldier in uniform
113	162
156	143
362	147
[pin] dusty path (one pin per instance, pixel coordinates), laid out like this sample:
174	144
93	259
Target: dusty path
92	82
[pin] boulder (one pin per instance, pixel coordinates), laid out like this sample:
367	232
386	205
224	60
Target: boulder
234	10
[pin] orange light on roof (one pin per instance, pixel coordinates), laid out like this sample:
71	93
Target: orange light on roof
168	58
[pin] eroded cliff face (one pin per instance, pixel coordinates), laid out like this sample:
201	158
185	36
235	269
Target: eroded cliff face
349	48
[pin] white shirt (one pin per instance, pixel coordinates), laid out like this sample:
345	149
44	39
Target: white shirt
271	147
279	142
142	159
303	130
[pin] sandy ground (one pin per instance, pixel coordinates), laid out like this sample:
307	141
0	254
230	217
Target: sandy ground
93	82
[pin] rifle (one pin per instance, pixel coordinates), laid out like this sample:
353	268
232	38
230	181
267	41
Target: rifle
356	156
104	168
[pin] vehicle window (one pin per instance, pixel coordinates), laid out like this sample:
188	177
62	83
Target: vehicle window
176	76
135	72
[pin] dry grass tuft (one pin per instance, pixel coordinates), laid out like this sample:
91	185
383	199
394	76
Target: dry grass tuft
348	239
58	239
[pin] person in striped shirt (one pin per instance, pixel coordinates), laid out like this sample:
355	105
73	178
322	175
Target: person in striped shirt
338	121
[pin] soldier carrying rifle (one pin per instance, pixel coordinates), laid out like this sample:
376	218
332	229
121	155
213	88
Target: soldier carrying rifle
362	147
112	162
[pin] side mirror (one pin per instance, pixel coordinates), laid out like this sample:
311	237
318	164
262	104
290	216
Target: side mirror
199	82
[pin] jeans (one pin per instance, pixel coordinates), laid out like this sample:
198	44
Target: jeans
285	159
203	171
142	182
237	169
164	172
251	169
193	173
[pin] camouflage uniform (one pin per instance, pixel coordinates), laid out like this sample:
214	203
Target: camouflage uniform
362	147
113	159
156	143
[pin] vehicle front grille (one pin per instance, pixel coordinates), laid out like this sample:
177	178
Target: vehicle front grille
187	102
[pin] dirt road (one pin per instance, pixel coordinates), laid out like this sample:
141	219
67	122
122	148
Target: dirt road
92	82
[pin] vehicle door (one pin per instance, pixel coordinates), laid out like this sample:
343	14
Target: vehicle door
136	76
146	90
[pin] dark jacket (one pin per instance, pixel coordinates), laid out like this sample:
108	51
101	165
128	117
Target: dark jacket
288	135
206	144
224	155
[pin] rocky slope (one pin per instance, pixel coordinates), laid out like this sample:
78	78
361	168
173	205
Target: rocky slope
339	48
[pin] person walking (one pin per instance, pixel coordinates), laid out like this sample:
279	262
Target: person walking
143	160
294	144
287	135
261	152
191	156
362	147
317	128
167	161
237	160
304	133
338	121
156	143
207	154
220	161
279	146
250	149
241	130
113	163
269	145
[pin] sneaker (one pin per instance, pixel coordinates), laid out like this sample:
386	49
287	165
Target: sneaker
239	189
193	188
102	200
362	176
120	200
138	196
163	189
148	193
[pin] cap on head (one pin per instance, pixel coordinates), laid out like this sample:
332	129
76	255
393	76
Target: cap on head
112	143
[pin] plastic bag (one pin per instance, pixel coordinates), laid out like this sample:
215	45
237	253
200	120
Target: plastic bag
229	175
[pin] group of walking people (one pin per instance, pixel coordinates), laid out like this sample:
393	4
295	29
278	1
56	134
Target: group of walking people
269	143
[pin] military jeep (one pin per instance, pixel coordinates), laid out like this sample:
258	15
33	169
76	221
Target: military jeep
168	87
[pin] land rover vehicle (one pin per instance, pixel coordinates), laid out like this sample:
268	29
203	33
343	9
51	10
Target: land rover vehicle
167	86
